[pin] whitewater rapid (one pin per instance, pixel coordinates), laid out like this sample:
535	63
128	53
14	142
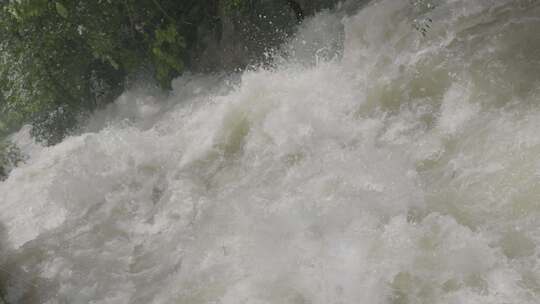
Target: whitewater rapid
370	164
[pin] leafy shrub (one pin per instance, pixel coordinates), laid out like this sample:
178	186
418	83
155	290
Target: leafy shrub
63	58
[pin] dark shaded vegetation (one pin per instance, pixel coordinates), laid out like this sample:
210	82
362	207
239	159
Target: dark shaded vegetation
62	59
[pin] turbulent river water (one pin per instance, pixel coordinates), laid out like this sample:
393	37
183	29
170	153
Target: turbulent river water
370	164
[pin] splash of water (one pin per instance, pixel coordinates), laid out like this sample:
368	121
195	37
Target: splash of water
373	165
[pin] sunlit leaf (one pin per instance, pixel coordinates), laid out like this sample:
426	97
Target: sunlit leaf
61	10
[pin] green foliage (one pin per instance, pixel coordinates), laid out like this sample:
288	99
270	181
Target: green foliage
61	10
167	53
60	59
231	6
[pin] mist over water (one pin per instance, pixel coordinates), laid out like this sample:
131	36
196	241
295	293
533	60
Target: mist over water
369	165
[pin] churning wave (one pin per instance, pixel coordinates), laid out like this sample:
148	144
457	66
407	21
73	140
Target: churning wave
391	156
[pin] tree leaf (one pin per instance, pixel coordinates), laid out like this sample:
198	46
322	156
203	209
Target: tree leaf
61	10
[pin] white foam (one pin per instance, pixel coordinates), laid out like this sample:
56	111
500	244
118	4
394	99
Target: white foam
398	173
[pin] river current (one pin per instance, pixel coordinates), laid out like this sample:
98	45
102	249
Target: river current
389	155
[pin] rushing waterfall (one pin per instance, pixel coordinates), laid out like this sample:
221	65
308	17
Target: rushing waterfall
391	155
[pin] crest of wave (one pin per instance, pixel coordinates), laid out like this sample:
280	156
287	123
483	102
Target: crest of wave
373	165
